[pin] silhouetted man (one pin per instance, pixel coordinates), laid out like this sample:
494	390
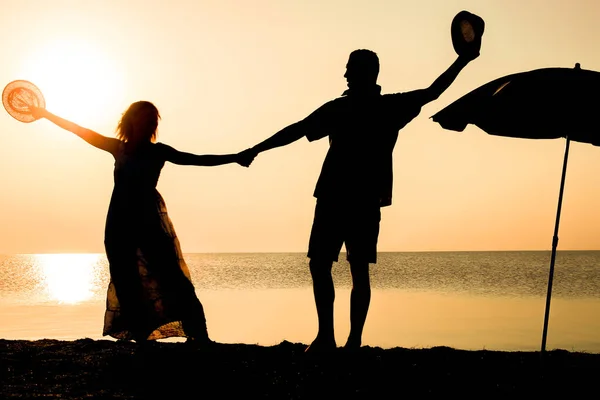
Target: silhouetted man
355	180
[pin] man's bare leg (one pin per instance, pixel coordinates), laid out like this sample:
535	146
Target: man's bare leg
360	298
324	293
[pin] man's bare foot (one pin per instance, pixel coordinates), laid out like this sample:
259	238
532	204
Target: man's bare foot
320	345
352	344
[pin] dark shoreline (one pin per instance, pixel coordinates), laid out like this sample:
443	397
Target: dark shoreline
123	370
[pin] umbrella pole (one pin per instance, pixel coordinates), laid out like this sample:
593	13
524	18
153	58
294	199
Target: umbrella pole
554	245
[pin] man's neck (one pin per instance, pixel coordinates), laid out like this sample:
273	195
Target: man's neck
363	90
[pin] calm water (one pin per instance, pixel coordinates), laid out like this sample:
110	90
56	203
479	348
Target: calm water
468	300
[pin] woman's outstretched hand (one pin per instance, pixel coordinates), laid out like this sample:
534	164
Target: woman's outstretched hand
245	158
37	112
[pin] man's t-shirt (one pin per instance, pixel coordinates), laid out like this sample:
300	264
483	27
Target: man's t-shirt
362	130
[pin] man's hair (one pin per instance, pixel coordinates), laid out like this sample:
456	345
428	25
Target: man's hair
366	60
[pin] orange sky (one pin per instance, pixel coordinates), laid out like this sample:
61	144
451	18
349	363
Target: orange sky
227	74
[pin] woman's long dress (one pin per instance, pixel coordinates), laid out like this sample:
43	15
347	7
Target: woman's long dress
150	295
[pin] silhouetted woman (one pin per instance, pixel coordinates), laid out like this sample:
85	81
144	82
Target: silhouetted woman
150	295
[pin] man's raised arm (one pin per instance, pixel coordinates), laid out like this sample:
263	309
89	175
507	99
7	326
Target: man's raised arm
443	82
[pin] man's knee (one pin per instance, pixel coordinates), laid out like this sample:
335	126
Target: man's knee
360	274
319	267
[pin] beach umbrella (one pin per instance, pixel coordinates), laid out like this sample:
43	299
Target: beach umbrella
546	103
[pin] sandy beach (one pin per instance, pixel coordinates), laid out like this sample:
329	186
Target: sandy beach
86	368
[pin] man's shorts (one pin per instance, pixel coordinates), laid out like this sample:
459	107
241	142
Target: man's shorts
335	223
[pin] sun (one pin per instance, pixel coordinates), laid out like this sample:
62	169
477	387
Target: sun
79	80
68	278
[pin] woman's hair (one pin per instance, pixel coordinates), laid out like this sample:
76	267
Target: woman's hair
139	122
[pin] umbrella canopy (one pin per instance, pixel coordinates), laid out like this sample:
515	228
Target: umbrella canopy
546	103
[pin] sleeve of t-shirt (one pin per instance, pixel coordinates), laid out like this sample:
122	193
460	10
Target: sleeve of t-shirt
404	107
317	124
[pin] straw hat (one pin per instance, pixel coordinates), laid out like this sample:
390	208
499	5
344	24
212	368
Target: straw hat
466	31
18	96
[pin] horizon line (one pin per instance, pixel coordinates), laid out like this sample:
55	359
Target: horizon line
341	252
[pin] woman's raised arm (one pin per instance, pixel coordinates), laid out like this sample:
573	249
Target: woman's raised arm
95	139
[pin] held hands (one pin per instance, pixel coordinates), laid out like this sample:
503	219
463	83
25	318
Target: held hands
245	158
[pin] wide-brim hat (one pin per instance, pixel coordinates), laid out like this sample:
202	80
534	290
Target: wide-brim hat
18	95
466	31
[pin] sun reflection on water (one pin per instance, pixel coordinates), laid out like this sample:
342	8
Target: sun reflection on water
68	278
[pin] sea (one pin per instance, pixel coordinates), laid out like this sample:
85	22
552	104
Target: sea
465	300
